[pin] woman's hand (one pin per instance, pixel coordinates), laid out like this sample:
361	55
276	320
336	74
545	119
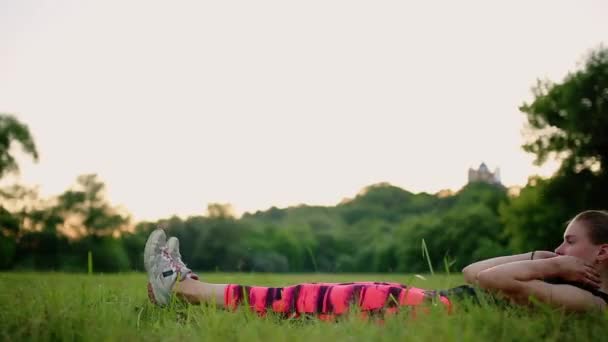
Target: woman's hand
544	255
577	270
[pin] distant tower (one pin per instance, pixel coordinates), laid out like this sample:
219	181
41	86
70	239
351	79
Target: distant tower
483	174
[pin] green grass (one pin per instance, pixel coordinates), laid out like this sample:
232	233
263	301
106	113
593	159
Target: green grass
114	307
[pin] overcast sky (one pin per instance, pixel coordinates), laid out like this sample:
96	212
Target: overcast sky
176	104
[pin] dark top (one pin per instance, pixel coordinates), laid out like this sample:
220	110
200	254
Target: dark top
467	292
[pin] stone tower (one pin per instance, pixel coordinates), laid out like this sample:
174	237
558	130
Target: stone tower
483	174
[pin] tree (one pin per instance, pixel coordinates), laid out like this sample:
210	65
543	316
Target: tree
569	121
13	131
86	210
219	210
9	226
531	220
386	201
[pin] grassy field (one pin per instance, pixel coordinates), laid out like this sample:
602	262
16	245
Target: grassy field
114	307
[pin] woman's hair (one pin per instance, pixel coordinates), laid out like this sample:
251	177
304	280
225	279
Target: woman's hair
596	222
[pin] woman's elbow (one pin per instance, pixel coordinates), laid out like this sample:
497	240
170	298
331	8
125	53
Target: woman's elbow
470	275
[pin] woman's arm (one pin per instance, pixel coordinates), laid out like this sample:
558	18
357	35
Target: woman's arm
520	280
470	272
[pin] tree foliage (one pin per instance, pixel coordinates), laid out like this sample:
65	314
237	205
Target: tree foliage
86	210
13	132
569	120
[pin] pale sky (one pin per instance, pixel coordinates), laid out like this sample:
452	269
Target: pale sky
176	104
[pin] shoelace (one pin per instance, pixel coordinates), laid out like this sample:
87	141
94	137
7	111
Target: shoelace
174	264
178	265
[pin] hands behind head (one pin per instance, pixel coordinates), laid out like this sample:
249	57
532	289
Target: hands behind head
578	270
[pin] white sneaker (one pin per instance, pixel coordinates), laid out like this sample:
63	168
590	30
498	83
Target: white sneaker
156	241
173	248
162	270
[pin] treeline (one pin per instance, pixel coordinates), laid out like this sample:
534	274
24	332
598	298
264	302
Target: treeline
380	230
383	229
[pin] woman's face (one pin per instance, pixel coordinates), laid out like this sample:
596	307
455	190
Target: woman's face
577	243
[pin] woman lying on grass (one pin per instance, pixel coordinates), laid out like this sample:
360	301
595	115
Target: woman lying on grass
575	278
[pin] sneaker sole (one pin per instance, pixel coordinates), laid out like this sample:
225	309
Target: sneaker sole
151	294
154	298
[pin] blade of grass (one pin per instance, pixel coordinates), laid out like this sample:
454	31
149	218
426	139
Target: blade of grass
426	255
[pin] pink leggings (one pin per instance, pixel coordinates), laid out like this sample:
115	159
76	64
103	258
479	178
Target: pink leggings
329	300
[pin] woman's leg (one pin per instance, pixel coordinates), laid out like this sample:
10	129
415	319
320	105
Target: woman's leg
167	274
197	292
